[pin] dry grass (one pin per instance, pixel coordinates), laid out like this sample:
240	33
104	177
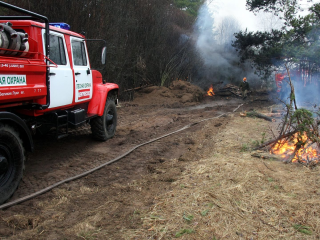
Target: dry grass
87	228
232	195
227	194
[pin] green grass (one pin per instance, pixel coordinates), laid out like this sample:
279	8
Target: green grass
184	231
205	212
188	218
303	229
244	148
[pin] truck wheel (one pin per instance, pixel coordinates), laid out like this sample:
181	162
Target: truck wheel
11	162
104	127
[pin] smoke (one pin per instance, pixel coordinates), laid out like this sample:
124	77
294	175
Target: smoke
305	75
306	93
214	37
221	65
306	89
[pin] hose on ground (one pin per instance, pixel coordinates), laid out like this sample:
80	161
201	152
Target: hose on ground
33	195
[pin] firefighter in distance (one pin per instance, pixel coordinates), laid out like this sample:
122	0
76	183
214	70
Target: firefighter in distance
244	87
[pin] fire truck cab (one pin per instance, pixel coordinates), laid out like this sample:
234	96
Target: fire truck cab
46	83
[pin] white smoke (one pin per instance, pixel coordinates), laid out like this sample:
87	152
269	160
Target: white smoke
213	43
204	30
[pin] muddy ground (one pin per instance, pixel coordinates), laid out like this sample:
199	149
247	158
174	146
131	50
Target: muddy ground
111	203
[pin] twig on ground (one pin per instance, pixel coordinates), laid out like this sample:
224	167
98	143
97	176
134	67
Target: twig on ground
272	132
269	167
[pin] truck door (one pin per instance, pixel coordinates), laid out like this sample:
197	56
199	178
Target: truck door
82	72
61	78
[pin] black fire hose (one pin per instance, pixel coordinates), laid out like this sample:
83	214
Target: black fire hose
33	195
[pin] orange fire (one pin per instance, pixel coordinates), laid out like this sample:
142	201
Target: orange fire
305	154
210	91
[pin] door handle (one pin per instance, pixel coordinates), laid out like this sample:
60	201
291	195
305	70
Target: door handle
77	73
52	74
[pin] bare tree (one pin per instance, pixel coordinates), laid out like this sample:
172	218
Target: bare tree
226	29
269	20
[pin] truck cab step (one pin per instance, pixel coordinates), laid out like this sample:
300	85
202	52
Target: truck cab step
61	124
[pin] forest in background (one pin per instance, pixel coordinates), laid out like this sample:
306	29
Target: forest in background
151	42
148	41
296	44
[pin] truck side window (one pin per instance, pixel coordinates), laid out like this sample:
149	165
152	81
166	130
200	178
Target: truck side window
57	51
79	53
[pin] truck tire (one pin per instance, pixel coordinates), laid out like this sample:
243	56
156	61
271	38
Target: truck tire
11	161
104	127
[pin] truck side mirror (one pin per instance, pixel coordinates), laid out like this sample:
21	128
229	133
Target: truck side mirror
103	55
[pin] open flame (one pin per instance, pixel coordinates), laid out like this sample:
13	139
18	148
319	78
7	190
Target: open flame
308	153
210	91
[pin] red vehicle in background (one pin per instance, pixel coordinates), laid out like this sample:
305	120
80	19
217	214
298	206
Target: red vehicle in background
46	83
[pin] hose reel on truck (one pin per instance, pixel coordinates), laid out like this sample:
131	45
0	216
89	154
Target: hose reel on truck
15	42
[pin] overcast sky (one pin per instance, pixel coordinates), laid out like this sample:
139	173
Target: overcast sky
246	19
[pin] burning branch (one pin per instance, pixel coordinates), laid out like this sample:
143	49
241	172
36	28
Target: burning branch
298	134
210	91
274	141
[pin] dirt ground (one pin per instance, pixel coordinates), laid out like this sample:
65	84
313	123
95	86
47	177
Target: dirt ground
200	183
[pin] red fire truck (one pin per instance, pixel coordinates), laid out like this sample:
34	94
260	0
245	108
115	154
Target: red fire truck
46	83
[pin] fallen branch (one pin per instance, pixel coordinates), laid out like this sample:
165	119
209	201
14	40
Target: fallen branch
259	115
